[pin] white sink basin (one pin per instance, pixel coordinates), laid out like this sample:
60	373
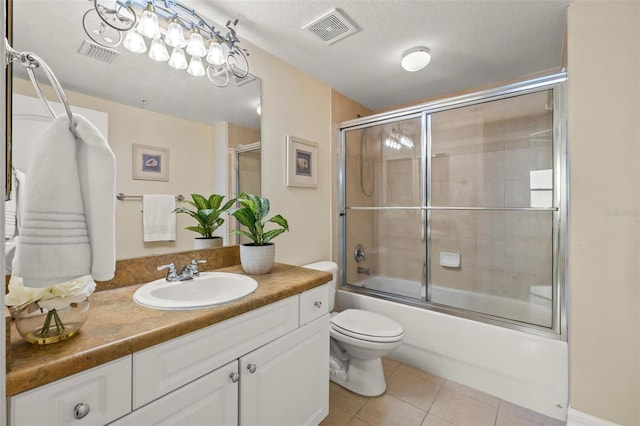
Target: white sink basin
208	289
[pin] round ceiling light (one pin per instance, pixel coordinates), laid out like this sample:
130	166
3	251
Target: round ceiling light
416	59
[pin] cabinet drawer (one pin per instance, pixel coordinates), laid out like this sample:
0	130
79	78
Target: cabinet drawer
167	366
313	304
106	390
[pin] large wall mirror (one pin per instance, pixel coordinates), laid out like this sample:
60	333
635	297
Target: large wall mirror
146	103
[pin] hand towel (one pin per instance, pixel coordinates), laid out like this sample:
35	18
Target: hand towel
158	219
10	216
12	205
68	226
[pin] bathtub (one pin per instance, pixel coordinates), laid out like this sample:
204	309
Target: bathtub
526	369
536	310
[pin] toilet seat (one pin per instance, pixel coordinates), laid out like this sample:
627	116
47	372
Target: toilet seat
367	326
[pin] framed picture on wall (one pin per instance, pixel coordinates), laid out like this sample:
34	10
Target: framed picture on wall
150	163
302	162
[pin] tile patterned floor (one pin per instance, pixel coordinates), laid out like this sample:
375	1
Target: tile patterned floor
415	397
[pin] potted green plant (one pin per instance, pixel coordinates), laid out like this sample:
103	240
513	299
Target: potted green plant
257	257
207	213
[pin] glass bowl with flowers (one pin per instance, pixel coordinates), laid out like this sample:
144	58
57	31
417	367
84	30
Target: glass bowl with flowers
50	314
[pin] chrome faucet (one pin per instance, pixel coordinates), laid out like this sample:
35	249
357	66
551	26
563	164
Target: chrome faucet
172	275
193	268
366	271
188	272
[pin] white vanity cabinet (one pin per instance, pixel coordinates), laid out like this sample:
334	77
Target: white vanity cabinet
268	366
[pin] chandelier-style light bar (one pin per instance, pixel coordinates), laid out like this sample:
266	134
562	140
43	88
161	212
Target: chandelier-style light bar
398	139
173	31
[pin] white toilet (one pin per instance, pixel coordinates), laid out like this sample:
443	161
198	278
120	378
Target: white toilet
359	339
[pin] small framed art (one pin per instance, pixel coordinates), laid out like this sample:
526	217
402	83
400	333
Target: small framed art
150	163
302	162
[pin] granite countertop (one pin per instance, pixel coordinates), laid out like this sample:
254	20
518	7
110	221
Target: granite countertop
117	326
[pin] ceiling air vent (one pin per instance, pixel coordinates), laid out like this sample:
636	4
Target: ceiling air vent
331	27
93	50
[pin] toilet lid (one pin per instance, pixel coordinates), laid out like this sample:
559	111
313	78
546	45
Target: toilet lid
367	326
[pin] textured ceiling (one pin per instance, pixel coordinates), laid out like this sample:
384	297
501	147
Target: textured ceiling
472	43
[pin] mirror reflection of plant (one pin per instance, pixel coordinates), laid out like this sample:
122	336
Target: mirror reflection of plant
206	212
251	214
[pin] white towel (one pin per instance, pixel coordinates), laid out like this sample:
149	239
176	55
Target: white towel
12	214
158	219
68	226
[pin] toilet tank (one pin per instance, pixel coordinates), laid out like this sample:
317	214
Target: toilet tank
332	268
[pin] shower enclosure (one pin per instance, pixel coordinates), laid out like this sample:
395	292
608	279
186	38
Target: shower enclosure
459	205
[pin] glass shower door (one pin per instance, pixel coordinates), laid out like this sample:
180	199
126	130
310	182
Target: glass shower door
383	191
491	211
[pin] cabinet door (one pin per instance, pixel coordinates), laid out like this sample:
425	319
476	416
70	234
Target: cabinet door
95	397
287	381
210	400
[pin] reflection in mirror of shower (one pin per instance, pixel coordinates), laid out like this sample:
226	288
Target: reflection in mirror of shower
247	174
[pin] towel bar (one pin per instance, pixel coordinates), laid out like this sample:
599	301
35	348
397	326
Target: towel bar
120	196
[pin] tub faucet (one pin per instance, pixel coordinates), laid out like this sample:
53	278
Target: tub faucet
366	271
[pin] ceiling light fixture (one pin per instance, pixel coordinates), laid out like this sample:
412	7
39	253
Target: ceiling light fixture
153	19
416	59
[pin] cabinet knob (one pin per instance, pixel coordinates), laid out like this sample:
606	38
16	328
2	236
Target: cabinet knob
81	410
234	377
317	304
252	368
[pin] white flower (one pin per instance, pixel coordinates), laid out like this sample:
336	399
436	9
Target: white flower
19	295
82	286
55	297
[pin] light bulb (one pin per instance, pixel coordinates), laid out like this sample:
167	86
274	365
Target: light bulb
196	68
158	51
175	35
134	42
195	45
215	56
178	60
148	25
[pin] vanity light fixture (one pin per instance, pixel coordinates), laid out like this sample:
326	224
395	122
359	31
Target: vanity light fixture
416	59
164	22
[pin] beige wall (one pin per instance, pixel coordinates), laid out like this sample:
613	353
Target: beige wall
604	152
295	103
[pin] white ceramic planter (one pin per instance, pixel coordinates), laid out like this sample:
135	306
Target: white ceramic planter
257	259
207	243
